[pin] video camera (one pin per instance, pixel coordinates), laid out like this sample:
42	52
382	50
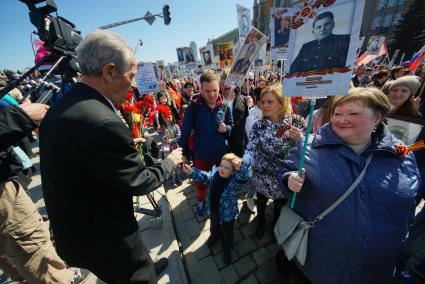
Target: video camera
59	35
60	38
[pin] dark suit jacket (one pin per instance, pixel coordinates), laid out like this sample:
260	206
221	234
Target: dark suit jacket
318	55
242	65
237	140
90	172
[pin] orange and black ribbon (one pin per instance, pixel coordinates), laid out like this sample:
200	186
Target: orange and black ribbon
405	150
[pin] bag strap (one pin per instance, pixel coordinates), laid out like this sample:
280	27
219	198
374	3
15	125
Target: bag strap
345	195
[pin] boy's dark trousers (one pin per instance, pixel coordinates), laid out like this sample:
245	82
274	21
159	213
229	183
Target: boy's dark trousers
224	230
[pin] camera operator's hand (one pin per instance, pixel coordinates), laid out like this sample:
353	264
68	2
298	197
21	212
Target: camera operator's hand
35	111
176	156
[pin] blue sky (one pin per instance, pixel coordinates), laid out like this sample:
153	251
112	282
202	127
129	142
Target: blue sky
191	20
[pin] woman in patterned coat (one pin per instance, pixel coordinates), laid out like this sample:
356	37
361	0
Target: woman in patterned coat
269	141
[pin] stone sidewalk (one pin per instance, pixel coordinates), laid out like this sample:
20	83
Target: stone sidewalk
161	242
252	260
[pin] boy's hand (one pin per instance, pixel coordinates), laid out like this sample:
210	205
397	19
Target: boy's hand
237	164
186	169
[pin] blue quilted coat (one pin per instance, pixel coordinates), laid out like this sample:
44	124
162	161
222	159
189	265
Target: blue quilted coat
360	240
228	208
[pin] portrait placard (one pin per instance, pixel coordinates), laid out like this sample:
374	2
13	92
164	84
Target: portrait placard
322	48
244	21
246	56
407	129
280	28
146	78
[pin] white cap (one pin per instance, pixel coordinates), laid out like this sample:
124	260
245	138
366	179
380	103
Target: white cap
250	75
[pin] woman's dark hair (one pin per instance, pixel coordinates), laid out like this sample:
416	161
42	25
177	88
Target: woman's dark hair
395	70
381	74
257	94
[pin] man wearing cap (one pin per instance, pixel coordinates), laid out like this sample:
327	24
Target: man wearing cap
248	85
326	51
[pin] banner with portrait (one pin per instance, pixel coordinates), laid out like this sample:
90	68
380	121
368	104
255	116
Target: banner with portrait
146	78
322	48
225	51
188	55
244	21
374	44
161	69
180	54
280	27
246	56
206	55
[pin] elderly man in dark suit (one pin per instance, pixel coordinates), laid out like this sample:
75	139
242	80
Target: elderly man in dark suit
91	169
326	51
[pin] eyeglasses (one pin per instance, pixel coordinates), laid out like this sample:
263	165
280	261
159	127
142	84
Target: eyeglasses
250	80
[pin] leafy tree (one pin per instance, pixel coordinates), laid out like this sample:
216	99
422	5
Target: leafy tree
409	35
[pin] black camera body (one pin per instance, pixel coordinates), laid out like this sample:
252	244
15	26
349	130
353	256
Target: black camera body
58	34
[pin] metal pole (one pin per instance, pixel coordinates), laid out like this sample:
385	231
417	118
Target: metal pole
128	21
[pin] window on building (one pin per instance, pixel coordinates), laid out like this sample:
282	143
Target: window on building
377	22
401	2
387	20
397	18
392	3
382	4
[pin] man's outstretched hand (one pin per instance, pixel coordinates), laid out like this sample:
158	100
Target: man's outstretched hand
176	156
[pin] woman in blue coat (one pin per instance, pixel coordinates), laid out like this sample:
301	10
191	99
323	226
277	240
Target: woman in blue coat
359	241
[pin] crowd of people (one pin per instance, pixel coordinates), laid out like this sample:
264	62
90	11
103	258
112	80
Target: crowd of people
95	155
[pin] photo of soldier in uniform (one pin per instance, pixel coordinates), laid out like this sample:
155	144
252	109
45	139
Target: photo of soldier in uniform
243	64
223	54
327	50
281	32
374	44
188	55
207	57
180	57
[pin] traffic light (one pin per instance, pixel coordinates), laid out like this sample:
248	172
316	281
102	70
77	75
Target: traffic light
166	13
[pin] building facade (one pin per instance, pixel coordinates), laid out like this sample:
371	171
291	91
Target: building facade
232	36
379	17
386	15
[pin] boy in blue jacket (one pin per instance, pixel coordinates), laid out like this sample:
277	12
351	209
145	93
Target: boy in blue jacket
222	199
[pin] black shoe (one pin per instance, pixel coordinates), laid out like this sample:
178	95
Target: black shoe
227	257
259	232
160	265
211	240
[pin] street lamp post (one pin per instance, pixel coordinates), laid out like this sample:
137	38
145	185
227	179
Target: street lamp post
140	43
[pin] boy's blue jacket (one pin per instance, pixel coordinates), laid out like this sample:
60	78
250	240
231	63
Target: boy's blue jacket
228	208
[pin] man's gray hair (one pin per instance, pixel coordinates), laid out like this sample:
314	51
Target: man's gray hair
100	48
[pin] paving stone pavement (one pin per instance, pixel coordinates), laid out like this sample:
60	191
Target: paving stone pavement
182	239
161	242
252	260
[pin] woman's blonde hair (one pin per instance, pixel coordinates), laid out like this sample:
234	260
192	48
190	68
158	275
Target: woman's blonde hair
369	97
285	102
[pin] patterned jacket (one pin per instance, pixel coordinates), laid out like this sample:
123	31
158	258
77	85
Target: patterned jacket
228	208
